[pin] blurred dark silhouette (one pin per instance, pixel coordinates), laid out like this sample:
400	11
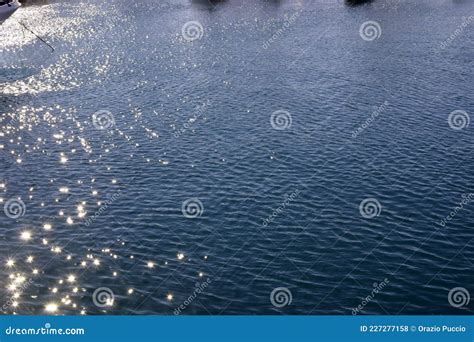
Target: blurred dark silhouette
357	2
273	2
35	2
208	3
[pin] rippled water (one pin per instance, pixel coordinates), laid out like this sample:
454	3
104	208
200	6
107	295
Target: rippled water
192	124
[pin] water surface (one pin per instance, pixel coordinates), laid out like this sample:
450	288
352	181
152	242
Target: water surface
192	120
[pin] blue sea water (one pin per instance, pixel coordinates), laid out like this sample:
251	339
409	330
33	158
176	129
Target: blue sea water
239	141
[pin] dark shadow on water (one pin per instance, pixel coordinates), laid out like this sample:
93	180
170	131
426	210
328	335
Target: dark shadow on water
273	2
354	3
35	2
16	74
208	4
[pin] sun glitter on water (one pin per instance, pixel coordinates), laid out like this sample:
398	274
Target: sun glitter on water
51	307
26	235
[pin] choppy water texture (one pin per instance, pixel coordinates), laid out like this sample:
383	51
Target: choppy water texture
272	201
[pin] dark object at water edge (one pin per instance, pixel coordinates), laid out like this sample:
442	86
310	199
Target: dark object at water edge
357	2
